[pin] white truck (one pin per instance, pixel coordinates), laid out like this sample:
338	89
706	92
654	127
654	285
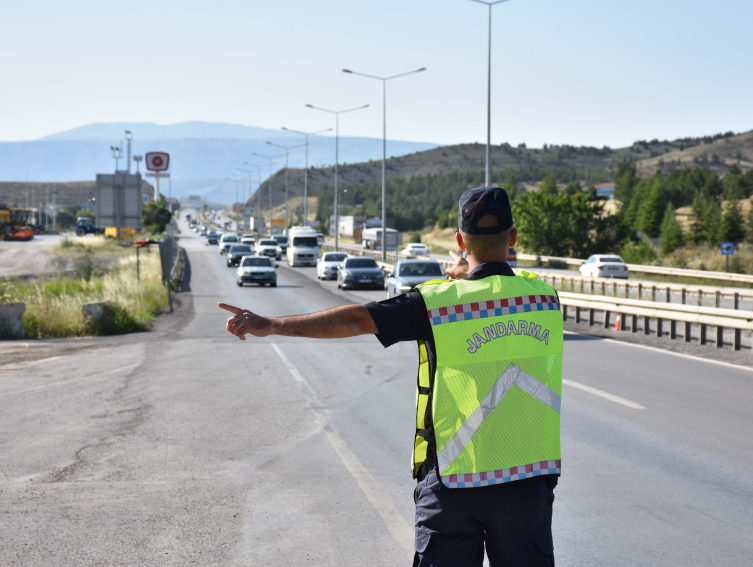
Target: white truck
372	238
303	246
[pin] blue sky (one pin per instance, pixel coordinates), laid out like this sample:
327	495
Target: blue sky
581	72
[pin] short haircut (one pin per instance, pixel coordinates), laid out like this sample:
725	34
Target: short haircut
487	243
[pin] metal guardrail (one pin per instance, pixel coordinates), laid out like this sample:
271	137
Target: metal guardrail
674	313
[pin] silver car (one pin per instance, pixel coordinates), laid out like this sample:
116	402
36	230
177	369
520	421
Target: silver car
407	274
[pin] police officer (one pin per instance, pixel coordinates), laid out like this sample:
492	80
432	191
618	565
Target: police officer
486	451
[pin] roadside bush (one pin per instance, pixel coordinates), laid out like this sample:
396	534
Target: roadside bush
415	237
640	253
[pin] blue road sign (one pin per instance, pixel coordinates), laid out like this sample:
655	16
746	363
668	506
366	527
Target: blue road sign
728	248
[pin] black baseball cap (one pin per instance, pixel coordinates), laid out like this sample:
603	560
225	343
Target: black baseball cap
481	201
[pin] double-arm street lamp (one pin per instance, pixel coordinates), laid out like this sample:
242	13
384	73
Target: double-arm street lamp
384	145
489	93
306	171
337	114
287	148
271	163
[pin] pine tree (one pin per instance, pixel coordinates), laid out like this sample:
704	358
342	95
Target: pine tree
732	227
712	221
671	231
510	187
625	180
548	185
651	211
696	220
574	188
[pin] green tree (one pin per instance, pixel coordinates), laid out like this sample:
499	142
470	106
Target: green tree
155	217
592	193
651	210
566	225
625	180
574	187
732	227
671	231
736	184
548	185
712	221
86	213
510	186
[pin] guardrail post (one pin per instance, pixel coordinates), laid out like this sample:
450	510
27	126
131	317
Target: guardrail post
564	312
717	299
646	326
687	332
577	314
659	329
673	330
719	337
669	295
592	287
683	296
737	300
738	334
634	324
581	286
653	293
606	319
627	291
614	289
700	298
703	334
591	317
640	291
603	288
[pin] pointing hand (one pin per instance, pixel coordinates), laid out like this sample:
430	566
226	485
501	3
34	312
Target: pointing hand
244	322
460	270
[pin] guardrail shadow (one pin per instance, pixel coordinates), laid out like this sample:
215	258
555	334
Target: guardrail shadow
185	284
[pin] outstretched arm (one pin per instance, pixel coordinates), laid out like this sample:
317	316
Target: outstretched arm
345	321
460	270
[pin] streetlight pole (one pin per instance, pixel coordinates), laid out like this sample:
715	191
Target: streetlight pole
243	207
116	153
269	158
286	148
129	137
337	114
384	146
489	94
306	171
258	194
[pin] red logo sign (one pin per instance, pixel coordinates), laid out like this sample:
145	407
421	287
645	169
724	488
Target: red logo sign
157	161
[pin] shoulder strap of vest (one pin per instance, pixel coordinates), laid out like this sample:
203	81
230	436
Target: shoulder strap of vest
527	274
434	282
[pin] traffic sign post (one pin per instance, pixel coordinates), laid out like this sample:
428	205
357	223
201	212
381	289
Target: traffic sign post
727	249
157	163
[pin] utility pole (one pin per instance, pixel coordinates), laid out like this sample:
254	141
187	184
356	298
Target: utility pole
129	137
54	208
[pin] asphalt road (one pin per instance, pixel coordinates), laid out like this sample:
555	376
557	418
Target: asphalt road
186	446
32	258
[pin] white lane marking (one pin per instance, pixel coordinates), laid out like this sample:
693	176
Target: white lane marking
662	351
400	529
63	382
603	394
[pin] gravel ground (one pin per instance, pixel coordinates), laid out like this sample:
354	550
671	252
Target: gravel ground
742	357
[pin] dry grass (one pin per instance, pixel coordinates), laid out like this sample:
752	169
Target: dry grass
53	306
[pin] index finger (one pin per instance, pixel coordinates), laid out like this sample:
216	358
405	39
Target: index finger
455	256
234	310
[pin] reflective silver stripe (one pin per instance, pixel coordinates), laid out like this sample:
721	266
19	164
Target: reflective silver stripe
511	376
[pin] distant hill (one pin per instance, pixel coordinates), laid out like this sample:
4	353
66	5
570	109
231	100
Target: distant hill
113	131
588	164
203	154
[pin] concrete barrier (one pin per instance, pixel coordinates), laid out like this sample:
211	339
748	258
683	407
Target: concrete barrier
11	320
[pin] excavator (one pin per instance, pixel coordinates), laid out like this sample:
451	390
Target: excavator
15	223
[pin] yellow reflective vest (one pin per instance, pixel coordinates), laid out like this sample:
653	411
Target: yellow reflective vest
490	410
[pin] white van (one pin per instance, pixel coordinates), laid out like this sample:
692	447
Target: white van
303	246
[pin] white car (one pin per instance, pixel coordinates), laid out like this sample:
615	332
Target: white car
226	240
416	249
248	239
327	265
604	266
269	248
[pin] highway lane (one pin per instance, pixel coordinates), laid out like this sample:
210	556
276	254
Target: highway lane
187	446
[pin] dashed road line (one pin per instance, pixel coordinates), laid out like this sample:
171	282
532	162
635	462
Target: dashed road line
603	394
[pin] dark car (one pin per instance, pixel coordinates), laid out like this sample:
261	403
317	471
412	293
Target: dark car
236	252
407	274
360	272
212	238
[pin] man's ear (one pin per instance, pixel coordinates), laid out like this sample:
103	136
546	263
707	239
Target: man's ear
459	240
513	237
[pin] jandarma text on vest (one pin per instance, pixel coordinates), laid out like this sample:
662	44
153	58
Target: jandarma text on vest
503	329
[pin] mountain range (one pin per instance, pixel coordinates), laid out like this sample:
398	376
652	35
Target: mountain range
203	154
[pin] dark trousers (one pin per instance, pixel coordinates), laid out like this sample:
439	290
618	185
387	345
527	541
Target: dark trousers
513	520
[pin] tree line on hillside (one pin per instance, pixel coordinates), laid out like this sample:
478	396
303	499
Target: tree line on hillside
421	201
